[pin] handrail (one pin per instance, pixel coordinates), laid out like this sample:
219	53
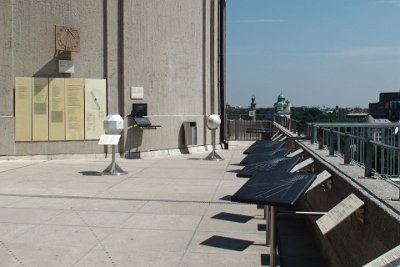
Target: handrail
375	146
385	146
346	134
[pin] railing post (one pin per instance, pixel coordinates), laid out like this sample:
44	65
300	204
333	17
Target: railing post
331	143
312	135
320	138
369	158
347	150
298	126
236	129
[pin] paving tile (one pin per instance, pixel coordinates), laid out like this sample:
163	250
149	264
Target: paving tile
148	240
11	231
185	197
42	203
128	257
62	235
194	259
188	189
227	243
28	216
31	254
125	194
145	188
181	173
167	211
106	205
10	201
7	258
52	245
162	222
229	222
90	218
184	208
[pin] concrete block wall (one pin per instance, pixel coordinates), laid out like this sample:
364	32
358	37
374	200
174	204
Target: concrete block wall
170	48
352	243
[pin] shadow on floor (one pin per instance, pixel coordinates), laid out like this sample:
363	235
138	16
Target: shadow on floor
236	164
227	243
265	260
262	227
234	171
226	198
232	217
90	173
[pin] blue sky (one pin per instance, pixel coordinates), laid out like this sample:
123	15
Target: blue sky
315	52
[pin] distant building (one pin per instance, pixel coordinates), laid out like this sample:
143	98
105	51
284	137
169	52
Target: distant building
388	107
370	119
252	112
357	117
282	106
379	133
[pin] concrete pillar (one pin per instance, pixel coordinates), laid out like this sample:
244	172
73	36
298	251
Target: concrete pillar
332	143
237	129
369	159
312	134
320	138
347	150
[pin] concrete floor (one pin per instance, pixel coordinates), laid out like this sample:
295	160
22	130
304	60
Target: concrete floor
167	211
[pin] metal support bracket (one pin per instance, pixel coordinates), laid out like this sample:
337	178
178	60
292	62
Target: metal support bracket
360	215
324	179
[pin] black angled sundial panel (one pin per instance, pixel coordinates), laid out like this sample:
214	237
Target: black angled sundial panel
257	157
260	130
264	147
276	164
142	121
274	188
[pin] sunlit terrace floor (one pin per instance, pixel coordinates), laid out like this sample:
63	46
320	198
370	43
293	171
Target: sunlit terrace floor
167	211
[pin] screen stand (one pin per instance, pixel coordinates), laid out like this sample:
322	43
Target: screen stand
113	168
213	155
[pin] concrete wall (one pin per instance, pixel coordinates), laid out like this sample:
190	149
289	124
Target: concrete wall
170	48
352	243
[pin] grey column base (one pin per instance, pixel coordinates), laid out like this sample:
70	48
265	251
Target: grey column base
213	156
114	169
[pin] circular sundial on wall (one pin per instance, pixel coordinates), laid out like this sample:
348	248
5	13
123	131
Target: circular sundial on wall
67	39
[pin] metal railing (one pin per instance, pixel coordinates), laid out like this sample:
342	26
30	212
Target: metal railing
375	146
238	129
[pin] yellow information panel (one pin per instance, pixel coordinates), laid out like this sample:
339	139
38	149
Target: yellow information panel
59	109
95	107
74	109
40	117
23	109
56	109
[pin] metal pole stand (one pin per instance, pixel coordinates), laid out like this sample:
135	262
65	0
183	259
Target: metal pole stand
267	218
113	168
213	155
272	244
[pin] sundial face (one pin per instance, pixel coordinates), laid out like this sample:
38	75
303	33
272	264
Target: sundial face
274	188
279	164
67	39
